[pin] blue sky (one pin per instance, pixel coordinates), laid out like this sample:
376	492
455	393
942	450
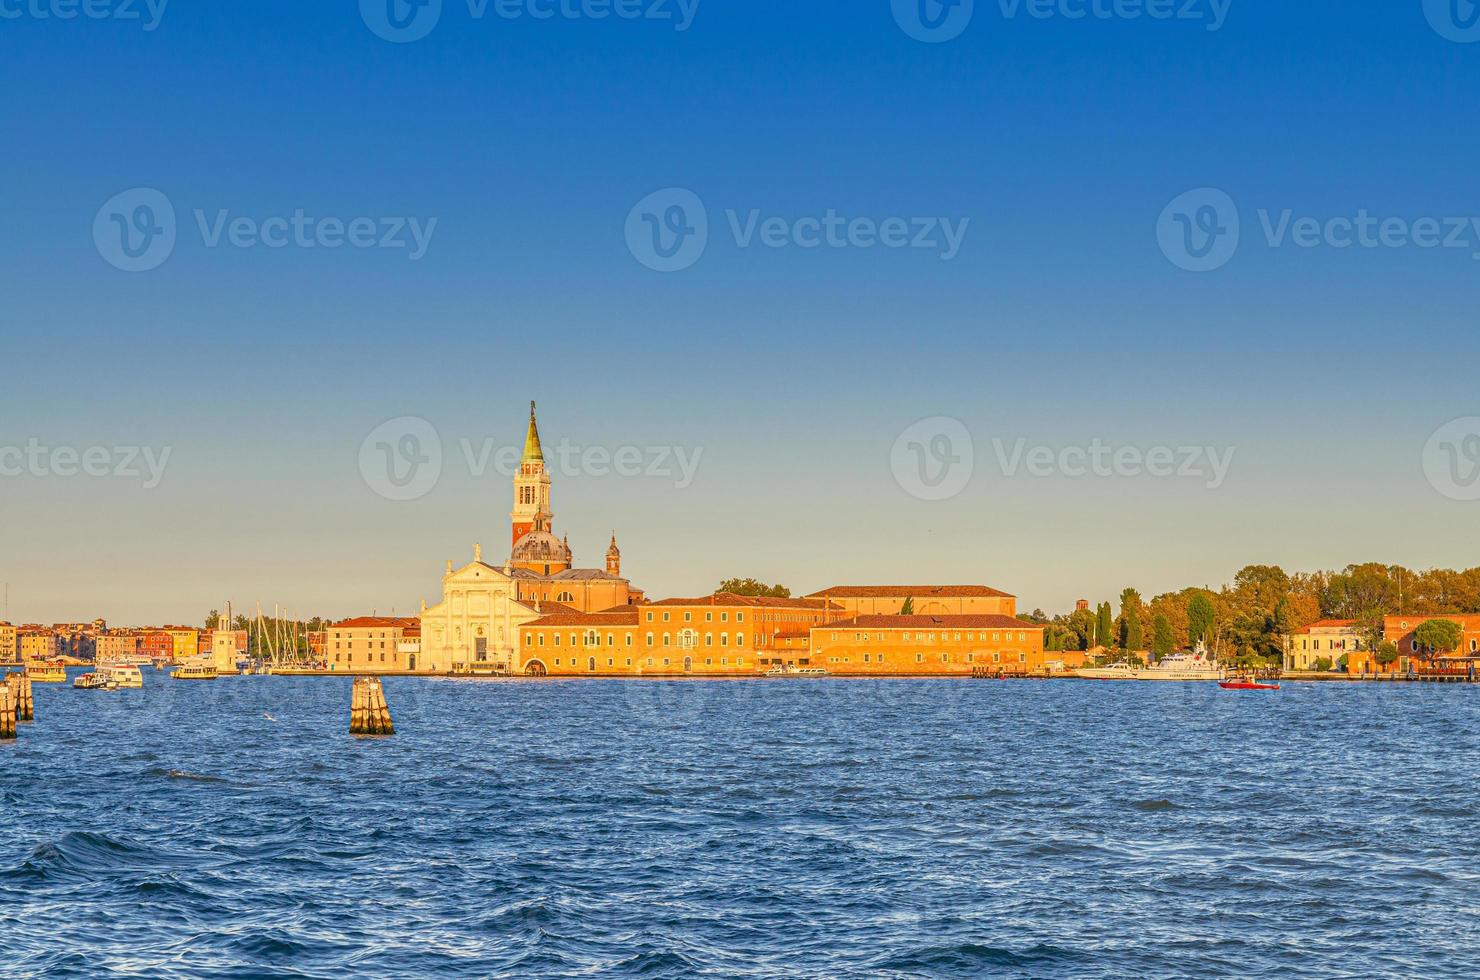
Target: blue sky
791	371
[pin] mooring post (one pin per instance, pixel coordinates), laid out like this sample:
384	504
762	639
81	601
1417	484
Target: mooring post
7	712
25	705
369	714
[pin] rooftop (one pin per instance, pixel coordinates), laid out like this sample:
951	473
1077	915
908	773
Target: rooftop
932	622
731	599
612	617
374	622
912	591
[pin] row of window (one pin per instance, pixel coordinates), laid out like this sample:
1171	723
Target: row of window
688	662
932	637
688	617
687	639
945	658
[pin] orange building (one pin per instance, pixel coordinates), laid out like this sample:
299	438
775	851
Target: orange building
718	635
372	644
925	600
1401	630
929	645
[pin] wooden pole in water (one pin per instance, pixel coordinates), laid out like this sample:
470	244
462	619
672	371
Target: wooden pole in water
7	712
368	713
25	705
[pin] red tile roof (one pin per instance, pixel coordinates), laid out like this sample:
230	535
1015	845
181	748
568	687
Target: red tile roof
373	622
914	591
1328	624
749	601
612	617
931	622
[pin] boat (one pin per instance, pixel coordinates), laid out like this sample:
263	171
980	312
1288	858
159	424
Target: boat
195	672
1194	666
1248	684
92	681
122	675
47	672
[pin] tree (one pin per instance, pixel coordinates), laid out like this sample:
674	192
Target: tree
1104	626
1439	636
753	587
1082	623
908	609
1163	642
1131	631
1200	619
1386	654
1322	664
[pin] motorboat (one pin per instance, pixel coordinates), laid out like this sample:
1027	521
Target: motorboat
195	672
92	681
1248	684
47	672
122	675
1194	666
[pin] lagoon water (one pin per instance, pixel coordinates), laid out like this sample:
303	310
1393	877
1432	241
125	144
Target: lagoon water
827	828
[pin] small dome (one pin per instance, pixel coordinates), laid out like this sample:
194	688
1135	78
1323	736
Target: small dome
539	546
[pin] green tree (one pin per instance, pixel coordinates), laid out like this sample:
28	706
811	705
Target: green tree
1105	626
1131	631
1387	653
1163	641
754	587
1322	664
908	609
1200	619
1439	636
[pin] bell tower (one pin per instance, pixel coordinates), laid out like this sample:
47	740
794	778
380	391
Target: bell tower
531	487
614	558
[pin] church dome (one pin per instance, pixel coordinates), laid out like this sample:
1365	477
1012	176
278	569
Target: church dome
539	546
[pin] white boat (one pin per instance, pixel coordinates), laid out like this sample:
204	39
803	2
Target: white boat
122	675
1194	666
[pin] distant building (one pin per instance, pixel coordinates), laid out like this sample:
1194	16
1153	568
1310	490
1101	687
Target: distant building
37	643
1329	639
9	650
1082	605
184	641
1401	631
157	645
372	644
929	645
925	600
116	647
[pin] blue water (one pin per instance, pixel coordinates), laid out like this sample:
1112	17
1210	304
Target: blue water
774	828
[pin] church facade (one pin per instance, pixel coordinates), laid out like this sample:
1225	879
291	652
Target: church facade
476	626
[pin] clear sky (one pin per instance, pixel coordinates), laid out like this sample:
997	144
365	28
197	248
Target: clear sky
1055	148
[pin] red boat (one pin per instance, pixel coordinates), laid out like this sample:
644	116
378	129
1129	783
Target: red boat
1245	684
